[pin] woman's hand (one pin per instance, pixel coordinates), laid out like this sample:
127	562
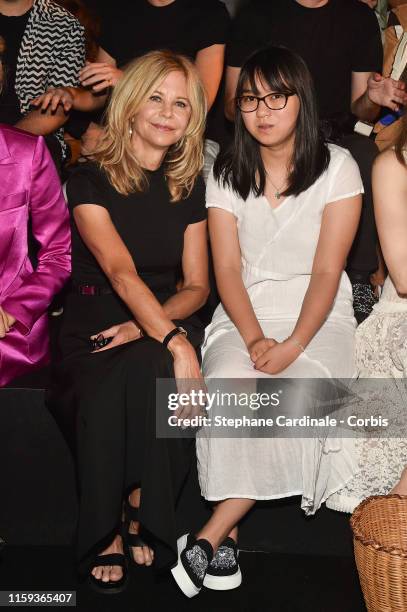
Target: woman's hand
99	76
188	376
90	139
277	358
258	347
6	322
386	92
121	334
52	98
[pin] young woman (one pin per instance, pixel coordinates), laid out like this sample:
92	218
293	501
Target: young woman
381	340
139	215
29	191
283	210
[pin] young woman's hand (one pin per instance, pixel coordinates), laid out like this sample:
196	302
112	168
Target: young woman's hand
188	376
121	334
258	347
277	358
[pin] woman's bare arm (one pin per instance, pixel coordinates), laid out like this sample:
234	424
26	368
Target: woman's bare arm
339	224
195	287
101	237
338	229
228	272
209	63
67	99
390	206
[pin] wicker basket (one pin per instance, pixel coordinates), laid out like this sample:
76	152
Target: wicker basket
379	527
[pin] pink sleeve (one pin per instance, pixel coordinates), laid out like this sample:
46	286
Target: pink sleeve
50	225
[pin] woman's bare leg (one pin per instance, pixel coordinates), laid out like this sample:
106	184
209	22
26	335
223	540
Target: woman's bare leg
143	555
111	573
223	522
401	486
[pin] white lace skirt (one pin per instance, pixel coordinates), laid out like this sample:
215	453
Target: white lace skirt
380	352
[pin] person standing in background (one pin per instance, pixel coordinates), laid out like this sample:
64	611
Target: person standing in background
44	48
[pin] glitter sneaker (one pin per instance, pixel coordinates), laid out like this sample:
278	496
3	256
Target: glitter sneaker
194	557
224	572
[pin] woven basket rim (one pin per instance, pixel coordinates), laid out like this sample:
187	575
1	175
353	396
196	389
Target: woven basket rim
357	534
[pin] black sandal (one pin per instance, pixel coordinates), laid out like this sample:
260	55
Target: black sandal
134	539
113	586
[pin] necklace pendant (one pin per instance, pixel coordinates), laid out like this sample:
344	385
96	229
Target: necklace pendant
277	195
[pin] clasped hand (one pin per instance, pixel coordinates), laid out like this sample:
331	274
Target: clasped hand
273	357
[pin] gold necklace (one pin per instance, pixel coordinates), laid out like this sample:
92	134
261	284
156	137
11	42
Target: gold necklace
277	193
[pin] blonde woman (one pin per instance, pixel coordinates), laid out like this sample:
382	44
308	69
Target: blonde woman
138	217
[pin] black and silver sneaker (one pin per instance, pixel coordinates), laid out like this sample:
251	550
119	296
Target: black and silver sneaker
194	557
224	572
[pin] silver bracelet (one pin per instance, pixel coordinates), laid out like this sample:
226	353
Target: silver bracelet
296	343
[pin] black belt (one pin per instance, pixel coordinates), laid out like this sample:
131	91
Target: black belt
86	289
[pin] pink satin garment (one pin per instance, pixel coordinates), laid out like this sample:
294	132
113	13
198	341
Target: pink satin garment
29	188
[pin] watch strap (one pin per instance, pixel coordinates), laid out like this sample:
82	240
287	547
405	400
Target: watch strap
172	333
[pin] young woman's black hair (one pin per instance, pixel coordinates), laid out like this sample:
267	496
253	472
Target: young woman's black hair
241	166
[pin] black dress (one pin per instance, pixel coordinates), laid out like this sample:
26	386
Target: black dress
109	397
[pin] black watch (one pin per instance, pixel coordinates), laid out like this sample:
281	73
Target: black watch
172	333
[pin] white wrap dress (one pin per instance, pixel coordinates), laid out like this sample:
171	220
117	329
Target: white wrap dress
277	248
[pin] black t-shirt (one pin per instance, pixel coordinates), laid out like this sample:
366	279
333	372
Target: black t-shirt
335	40
150	225
185	26
12	30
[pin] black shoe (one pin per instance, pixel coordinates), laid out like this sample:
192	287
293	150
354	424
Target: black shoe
194	557
113	586
224	572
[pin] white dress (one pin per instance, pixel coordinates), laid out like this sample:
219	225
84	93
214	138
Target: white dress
380	352
278	247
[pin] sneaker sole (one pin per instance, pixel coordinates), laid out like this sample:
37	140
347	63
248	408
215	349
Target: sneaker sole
180	575
223	583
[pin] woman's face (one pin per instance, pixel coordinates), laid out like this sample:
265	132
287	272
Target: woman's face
163	119
271	128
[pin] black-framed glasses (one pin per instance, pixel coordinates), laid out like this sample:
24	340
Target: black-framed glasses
274	101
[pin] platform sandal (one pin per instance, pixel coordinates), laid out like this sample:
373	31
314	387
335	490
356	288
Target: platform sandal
134	539
113	586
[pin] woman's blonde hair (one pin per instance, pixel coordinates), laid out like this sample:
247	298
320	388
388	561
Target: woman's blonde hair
184	160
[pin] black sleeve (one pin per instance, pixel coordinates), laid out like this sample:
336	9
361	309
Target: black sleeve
367	48
215	25
245	36
196	202
393	20
87	185
111	33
